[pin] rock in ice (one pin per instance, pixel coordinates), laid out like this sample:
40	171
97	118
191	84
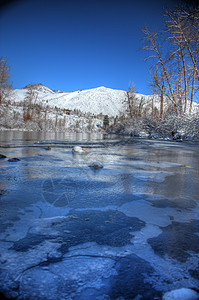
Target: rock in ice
181	294
96	165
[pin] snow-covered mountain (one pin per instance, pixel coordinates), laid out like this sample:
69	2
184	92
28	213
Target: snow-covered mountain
100	100
96	101
37	107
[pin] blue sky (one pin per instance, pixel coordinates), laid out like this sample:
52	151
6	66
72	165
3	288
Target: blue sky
73	45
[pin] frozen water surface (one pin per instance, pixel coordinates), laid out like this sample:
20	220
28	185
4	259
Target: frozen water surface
129	230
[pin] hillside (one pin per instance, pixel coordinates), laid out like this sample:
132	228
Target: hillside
36	107
96	101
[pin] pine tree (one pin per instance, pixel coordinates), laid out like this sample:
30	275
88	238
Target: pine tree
106	122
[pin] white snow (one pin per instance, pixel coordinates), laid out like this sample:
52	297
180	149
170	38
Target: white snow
96	101
78	111
100	100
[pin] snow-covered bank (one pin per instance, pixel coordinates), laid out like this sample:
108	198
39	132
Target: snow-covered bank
173	127
38	108
47	119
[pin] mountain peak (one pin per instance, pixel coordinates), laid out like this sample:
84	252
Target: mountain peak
38	87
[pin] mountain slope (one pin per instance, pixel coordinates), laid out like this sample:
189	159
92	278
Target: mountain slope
100	100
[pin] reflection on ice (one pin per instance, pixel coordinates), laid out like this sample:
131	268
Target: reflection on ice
129	231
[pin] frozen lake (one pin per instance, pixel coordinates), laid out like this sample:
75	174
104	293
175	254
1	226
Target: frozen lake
129	230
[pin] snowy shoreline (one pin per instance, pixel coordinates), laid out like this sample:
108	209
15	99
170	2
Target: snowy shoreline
37	108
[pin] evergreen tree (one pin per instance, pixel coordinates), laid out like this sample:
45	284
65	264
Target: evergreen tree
106	122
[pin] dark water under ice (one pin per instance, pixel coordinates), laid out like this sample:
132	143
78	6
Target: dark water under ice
129	230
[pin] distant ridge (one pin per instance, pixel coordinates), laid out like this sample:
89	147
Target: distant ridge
39	87
96	101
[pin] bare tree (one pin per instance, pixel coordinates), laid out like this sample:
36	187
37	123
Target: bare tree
131	99
5	86
174	51
158	86
30	102
153	45
183	29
